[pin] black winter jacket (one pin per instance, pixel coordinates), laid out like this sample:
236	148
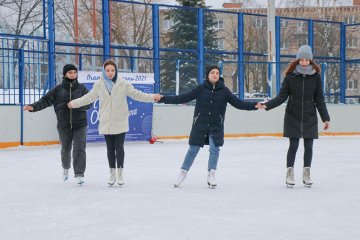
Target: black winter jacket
305	94
210	108
59	96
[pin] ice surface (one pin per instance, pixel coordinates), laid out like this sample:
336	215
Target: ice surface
251	202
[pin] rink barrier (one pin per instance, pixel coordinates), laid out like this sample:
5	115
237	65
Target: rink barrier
245	135
28	144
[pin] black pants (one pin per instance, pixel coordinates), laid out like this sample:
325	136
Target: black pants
115	150
294	144
73	139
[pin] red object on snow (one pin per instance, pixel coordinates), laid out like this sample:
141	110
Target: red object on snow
153	139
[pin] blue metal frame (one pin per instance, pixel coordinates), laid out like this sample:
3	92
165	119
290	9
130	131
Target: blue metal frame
156	46
51	44
342	63
106	28
278	53
240	63
21	93
311	33
200	19
49	35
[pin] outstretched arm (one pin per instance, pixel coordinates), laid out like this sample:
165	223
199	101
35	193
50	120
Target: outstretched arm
87	99
44	102
183	98
280	98
238	103
139	95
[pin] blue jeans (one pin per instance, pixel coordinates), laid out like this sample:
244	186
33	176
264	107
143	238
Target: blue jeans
194	150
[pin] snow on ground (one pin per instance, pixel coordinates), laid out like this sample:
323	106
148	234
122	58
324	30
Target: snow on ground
251	201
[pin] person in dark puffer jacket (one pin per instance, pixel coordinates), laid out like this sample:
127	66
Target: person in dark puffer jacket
71	123
212	98
302	87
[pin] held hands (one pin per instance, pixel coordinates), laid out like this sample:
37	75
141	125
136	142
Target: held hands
28	108
70	105
157	97
326	125
260	105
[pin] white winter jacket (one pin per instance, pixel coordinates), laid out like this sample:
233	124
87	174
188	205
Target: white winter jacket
113	109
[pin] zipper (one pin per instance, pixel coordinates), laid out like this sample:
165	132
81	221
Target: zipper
70	109
302	107
196	118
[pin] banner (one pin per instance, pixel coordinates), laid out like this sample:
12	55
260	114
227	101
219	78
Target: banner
140	114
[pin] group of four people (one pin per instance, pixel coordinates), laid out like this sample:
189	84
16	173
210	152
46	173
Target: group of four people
302	87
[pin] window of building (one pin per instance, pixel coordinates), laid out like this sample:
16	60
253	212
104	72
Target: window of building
167	24
219	24
220	44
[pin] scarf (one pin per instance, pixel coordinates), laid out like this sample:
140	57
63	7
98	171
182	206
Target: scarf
108	82
308	70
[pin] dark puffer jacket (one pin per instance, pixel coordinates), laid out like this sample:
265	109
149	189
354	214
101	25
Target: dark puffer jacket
59	96
210	108
305	94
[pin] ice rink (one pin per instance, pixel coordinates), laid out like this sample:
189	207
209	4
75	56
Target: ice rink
251	201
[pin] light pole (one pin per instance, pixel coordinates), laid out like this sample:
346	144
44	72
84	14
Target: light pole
271	45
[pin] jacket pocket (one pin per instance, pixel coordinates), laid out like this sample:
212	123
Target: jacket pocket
196	118
221	120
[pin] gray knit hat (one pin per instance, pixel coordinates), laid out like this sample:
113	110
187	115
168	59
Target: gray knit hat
304	52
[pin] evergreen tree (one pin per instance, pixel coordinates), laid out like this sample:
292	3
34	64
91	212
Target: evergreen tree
184	35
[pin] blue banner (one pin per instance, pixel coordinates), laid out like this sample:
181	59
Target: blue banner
140	116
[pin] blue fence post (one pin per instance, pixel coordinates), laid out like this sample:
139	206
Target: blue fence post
278	53
342	63
51	44
21	94
156	46
106	28
311	34
200	19
80	62
240	62
323	71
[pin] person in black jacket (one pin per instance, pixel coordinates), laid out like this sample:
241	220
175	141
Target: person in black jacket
208	124
302	88
71	123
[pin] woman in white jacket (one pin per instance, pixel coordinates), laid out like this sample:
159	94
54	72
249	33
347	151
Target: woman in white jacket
112	92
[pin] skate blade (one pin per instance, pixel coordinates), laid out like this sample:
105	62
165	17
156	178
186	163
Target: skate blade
308	184
212	186
289	185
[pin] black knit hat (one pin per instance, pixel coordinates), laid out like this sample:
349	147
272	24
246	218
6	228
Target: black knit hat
69	67
208	70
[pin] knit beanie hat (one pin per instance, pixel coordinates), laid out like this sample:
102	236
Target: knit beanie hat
68	67
304	52
209	69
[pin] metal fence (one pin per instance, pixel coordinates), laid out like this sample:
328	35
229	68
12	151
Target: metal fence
149	38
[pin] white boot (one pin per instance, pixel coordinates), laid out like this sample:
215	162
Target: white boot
290	176
80	180
119	176
65	174
211	178
306	177
112	178
181	178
